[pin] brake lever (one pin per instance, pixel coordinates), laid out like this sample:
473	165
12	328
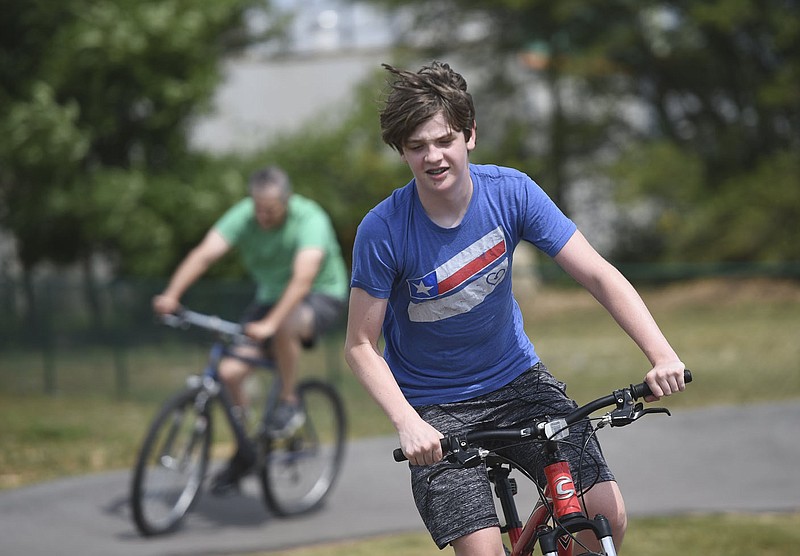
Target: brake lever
467	458
643	412
627	412
459	459
626	416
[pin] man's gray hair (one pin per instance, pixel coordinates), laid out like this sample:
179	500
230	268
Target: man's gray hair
271	176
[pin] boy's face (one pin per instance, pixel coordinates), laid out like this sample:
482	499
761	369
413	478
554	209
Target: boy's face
438	155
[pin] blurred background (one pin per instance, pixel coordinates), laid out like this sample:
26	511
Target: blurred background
668	130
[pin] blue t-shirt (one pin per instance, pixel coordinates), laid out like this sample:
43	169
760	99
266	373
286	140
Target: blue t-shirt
453	329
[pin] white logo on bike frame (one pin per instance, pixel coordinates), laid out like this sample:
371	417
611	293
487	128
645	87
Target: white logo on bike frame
564	488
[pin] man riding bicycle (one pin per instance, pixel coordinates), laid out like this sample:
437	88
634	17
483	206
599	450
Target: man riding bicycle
288	245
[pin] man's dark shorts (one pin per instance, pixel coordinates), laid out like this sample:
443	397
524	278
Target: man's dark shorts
458	502
327	310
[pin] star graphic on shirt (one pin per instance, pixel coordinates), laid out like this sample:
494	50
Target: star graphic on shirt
422	288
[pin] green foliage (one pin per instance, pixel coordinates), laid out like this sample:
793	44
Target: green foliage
99	96
38	129
148	221
750	216
657	184
758	212
723	80
42	143
139	70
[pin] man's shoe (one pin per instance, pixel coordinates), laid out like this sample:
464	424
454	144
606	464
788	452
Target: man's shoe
226	481
284	420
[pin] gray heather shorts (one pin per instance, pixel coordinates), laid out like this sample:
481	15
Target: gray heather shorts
327	312
460	501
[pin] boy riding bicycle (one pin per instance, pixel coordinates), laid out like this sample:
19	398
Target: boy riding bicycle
432	274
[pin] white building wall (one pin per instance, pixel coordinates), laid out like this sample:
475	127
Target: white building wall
263	97
331	46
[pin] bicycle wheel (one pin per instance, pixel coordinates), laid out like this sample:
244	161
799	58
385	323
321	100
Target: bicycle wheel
172	463
299	471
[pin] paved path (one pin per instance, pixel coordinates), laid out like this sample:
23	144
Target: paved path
720	459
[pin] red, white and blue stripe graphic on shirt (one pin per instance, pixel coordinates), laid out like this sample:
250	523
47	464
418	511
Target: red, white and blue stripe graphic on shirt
430	299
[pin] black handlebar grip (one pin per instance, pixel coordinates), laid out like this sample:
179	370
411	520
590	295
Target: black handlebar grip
642	390
399	456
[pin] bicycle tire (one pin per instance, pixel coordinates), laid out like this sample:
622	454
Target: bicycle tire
300	471
172	463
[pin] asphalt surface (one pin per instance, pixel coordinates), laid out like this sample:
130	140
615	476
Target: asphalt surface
724	459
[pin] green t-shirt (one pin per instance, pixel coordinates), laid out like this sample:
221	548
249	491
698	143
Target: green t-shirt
268	254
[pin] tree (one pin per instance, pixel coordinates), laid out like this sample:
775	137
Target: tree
722	83
97	98
93	85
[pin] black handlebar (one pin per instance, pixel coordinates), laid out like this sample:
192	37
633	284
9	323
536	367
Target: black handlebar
184	318
636	391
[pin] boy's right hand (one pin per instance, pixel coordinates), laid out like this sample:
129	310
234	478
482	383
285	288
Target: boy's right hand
421	443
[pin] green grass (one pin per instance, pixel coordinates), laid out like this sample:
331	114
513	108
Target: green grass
50	437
